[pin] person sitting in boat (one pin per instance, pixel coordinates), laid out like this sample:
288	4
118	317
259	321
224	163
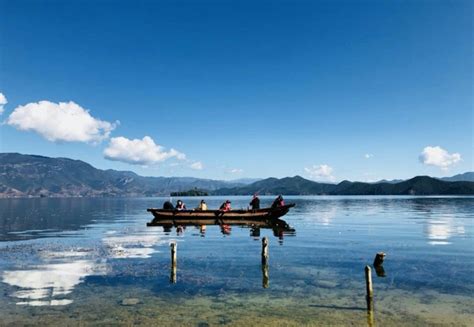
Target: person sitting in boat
255	203
225	206
279	202
202	206
168	205
180	205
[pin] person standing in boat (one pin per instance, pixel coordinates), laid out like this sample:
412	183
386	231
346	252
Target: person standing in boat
225	206
255	203
279	202
202	206
180	205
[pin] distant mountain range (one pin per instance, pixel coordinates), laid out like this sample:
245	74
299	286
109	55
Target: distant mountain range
32	175
420	185
466	177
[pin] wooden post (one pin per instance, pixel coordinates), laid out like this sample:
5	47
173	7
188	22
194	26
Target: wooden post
370	296
264	251
173	247
370	318
378	264
368	282
379	257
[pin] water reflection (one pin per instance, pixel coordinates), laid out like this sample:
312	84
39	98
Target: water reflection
50	283
442	218
22	219
439	230
59	272
279	227
139	245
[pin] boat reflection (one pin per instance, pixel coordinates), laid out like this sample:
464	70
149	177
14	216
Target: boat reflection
279	227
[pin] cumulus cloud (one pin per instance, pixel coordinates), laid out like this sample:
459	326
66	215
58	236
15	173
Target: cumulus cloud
368	155
320	172
236	171
3	102
197	165
63	121
139	152
439	157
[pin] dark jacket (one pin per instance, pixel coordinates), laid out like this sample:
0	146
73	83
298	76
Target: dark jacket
168	206
255	203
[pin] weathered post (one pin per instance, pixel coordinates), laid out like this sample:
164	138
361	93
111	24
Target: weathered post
368	282
370	318
173	247
379	258
370	296
378	264
264	251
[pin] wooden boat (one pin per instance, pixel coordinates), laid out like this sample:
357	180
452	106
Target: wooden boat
207	217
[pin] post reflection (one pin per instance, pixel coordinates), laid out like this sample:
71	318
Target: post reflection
265	277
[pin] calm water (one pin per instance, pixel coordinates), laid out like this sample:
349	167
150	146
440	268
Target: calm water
94	261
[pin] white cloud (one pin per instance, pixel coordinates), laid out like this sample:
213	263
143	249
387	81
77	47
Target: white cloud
320	172
139	152
63	121
197	165
439	157
368	155
3	101
236	171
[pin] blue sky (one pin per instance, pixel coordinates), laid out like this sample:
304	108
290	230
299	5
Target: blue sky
329	90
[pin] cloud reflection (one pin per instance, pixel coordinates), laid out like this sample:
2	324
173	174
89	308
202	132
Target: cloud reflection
131	246
43	284
440	231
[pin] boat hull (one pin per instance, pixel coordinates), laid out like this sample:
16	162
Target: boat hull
174	217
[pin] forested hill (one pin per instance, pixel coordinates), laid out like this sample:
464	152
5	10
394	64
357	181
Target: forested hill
30	175
420	185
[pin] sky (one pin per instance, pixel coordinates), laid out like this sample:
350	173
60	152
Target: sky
329	90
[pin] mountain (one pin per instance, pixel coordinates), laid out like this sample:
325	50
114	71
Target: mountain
289	185
420	185
467	177
31	175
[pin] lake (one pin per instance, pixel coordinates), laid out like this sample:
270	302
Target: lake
94	261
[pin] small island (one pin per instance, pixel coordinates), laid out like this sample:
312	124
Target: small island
193	192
